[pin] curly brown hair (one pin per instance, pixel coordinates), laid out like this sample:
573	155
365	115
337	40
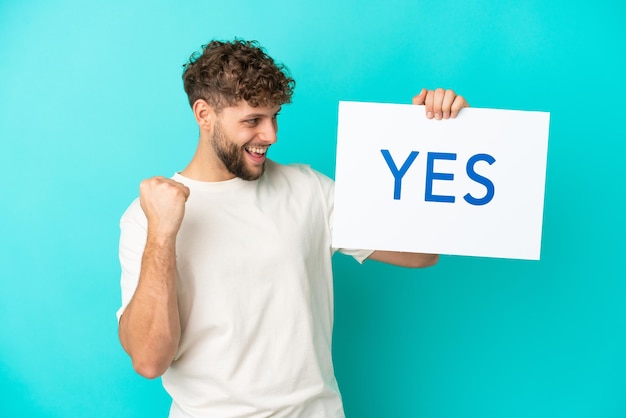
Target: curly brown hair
224	73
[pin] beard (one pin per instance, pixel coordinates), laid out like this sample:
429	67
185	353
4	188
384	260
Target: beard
232	156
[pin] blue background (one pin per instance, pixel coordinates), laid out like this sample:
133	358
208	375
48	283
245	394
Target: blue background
91	102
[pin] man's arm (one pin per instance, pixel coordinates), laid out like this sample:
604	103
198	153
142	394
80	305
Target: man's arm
440	104
410	260
149	328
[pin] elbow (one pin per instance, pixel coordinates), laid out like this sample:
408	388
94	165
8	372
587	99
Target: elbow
146	363
150	357
149	369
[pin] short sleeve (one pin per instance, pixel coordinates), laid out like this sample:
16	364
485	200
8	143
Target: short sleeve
328	190
133	233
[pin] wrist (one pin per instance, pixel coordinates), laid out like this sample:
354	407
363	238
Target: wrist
161	237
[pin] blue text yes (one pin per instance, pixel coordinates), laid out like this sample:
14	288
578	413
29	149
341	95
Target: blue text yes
431	176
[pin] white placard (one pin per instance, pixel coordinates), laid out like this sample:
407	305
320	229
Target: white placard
473	185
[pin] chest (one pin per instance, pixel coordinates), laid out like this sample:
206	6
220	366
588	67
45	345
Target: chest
249	257
259	229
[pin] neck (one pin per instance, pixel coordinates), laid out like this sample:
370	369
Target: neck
205	165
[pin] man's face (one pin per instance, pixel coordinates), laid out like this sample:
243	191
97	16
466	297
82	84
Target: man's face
241	137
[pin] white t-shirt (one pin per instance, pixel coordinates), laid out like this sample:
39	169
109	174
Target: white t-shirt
255	296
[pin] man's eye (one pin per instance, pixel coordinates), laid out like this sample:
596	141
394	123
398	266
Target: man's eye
252	121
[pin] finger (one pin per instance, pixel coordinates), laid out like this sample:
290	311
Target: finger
148	184
458	104
180	186
159	185
187	192
437	102
430	97
446	106
418	99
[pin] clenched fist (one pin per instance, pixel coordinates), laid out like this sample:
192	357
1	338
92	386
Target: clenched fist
163	202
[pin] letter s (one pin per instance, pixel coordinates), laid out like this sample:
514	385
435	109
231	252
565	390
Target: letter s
480	179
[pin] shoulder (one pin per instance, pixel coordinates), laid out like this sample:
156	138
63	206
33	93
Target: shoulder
295	173
134	215
300	182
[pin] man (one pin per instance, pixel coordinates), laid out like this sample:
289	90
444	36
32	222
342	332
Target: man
226	267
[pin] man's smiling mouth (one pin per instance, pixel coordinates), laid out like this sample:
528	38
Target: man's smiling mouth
257	150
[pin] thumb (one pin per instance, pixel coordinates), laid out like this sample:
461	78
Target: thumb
420	98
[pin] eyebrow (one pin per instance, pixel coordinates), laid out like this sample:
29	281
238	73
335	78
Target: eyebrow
253	115
259	115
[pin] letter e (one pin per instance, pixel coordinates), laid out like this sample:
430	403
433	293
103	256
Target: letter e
431	175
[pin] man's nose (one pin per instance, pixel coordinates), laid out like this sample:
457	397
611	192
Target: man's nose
269	132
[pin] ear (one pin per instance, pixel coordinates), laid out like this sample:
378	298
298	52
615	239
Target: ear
204	114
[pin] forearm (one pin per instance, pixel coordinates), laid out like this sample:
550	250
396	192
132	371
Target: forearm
402	259
149	329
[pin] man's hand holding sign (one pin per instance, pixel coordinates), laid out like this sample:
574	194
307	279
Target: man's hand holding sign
440	103
471	186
